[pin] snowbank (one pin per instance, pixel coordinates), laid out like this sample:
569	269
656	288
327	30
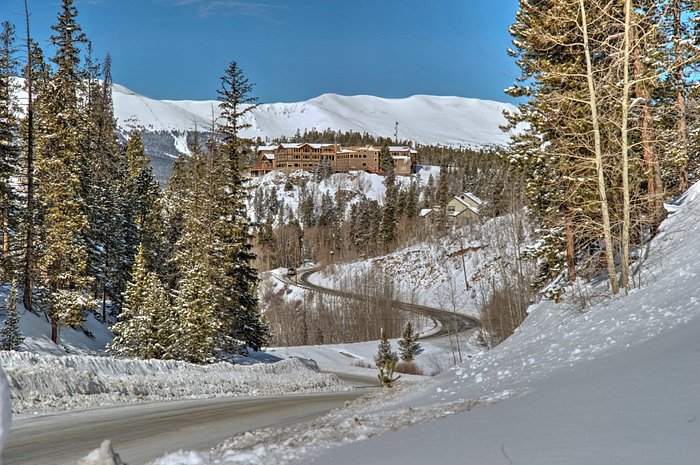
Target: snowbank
43	383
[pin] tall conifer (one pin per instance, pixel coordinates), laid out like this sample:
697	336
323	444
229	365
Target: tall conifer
63	251
237	279
9	148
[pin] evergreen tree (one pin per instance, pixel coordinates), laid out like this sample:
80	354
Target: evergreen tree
144	205
384	353
107	192
9	148
10	335
140	330
196	322
409	345
237	309
389	210
570	55
411	202
63	251
386	360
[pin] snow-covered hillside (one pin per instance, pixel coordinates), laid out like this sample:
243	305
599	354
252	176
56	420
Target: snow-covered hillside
615	382
425	119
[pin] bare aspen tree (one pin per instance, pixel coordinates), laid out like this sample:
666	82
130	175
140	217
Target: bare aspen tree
678	77
598	151
655	205
624	139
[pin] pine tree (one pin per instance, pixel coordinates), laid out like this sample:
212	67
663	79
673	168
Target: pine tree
570	57
140	331
386	360
411	205
197	325
10	335
9	148
107	192
389	211
63	251
409	345
144	205
237	309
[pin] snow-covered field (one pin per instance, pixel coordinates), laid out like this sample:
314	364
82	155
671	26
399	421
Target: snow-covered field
615	382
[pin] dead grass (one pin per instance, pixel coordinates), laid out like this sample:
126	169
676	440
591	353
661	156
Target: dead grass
362	364
408	368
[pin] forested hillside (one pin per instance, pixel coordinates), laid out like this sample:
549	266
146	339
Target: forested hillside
86	226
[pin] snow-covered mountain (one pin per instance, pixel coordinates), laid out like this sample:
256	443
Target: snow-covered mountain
424	119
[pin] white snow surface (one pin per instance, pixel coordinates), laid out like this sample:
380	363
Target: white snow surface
425	119
615	382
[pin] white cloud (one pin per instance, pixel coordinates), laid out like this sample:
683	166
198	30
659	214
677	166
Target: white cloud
206	8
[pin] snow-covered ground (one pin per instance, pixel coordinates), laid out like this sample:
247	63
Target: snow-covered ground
615	382
455	272
354	185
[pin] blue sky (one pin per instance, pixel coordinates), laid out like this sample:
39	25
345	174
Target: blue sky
295	49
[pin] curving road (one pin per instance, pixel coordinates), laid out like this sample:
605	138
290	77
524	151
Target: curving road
144	432
450	322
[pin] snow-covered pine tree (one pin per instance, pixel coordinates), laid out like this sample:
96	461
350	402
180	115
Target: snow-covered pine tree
141	329
411	201
144	205
196	323
10	335
110	251
386	360
384	353
237	309
409	346
9	149
63	252
566	178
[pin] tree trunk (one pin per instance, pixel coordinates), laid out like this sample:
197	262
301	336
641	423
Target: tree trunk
602	190
54	331
570	250
655	204
681	124
624	102
29	239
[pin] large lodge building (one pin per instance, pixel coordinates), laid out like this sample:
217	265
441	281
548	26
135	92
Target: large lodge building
307	157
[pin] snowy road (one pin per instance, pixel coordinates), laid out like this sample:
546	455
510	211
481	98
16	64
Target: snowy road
448	322
144	432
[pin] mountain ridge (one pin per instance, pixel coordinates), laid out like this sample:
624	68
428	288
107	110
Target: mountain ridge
424	119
